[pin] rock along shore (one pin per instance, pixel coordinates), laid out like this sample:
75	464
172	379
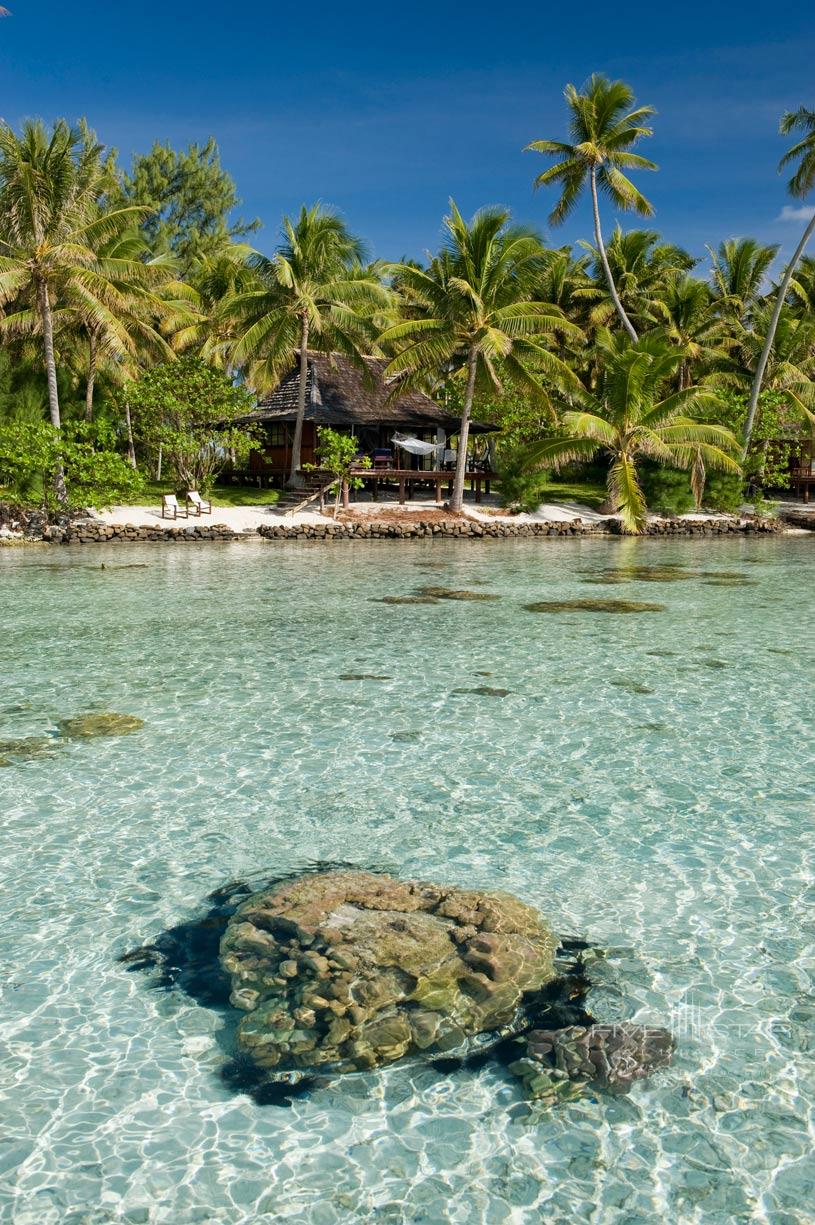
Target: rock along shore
93	532
28	526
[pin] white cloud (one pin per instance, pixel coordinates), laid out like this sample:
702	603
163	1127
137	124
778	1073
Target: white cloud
805	213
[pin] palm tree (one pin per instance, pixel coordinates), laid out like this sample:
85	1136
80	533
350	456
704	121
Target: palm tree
740	266
691	321
132	303
215	278
313	292
563	280
473	309
641	267
51	228
112	312
799	186
789	368
630	417
802	286
603	131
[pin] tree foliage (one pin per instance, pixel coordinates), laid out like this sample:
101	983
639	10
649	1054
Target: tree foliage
135	299
95	473
474	310
191	411
338	454
191	201
634	414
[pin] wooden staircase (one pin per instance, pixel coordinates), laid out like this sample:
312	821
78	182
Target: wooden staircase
293	500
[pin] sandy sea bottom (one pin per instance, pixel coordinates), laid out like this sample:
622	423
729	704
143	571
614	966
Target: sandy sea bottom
646	781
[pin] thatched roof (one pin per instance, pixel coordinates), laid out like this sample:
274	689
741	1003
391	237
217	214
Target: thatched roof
339	393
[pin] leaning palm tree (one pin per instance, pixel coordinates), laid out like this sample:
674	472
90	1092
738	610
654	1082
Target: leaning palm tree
473	309
603	130
799	186
313	292
51	228
629	417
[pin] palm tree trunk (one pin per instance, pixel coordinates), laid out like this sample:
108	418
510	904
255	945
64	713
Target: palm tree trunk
91	383
295	479
783	289
457	500
131	448
598	236
44	304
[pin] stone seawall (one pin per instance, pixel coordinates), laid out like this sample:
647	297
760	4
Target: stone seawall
469	529
91	531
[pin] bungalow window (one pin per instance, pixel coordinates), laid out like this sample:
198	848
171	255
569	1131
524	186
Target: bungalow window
277	436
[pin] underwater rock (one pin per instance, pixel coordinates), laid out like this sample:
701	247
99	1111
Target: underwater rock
363	676
643	574
24	748
631	686
485	691
558	1063
601	606
106	723
448	593
406	599
349	970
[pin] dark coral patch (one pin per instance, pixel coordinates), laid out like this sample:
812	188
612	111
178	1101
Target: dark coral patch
599	606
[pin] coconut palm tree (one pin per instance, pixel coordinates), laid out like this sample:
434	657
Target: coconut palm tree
51	228
110	315
740	267
135	306
641	267
215	279
799	187
473	309
789	368
691	321
313	292
632	415
603	131
802	286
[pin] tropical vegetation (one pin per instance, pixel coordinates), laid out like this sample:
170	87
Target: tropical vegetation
139	321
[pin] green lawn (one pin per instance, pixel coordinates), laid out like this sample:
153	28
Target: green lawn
590	493
223	495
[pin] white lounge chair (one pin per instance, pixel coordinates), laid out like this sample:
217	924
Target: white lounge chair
170	508
197	504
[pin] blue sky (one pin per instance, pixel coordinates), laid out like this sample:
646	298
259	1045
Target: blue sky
386	111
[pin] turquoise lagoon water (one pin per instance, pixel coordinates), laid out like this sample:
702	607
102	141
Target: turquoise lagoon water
647	782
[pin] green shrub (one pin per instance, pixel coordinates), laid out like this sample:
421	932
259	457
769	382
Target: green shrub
95	474
667	490
724	491
519	489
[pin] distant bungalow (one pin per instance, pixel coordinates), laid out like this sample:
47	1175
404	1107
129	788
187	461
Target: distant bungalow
339	395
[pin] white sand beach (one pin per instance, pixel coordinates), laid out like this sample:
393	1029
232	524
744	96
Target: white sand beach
247	519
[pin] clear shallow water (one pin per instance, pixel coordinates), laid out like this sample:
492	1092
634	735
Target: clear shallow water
673	826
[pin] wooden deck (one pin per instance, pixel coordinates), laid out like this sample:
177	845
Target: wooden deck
408	478
802	480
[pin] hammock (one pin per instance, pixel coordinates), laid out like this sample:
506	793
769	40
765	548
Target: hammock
416	447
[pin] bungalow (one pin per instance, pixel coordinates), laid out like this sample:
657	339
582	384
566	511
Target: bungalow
351	400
